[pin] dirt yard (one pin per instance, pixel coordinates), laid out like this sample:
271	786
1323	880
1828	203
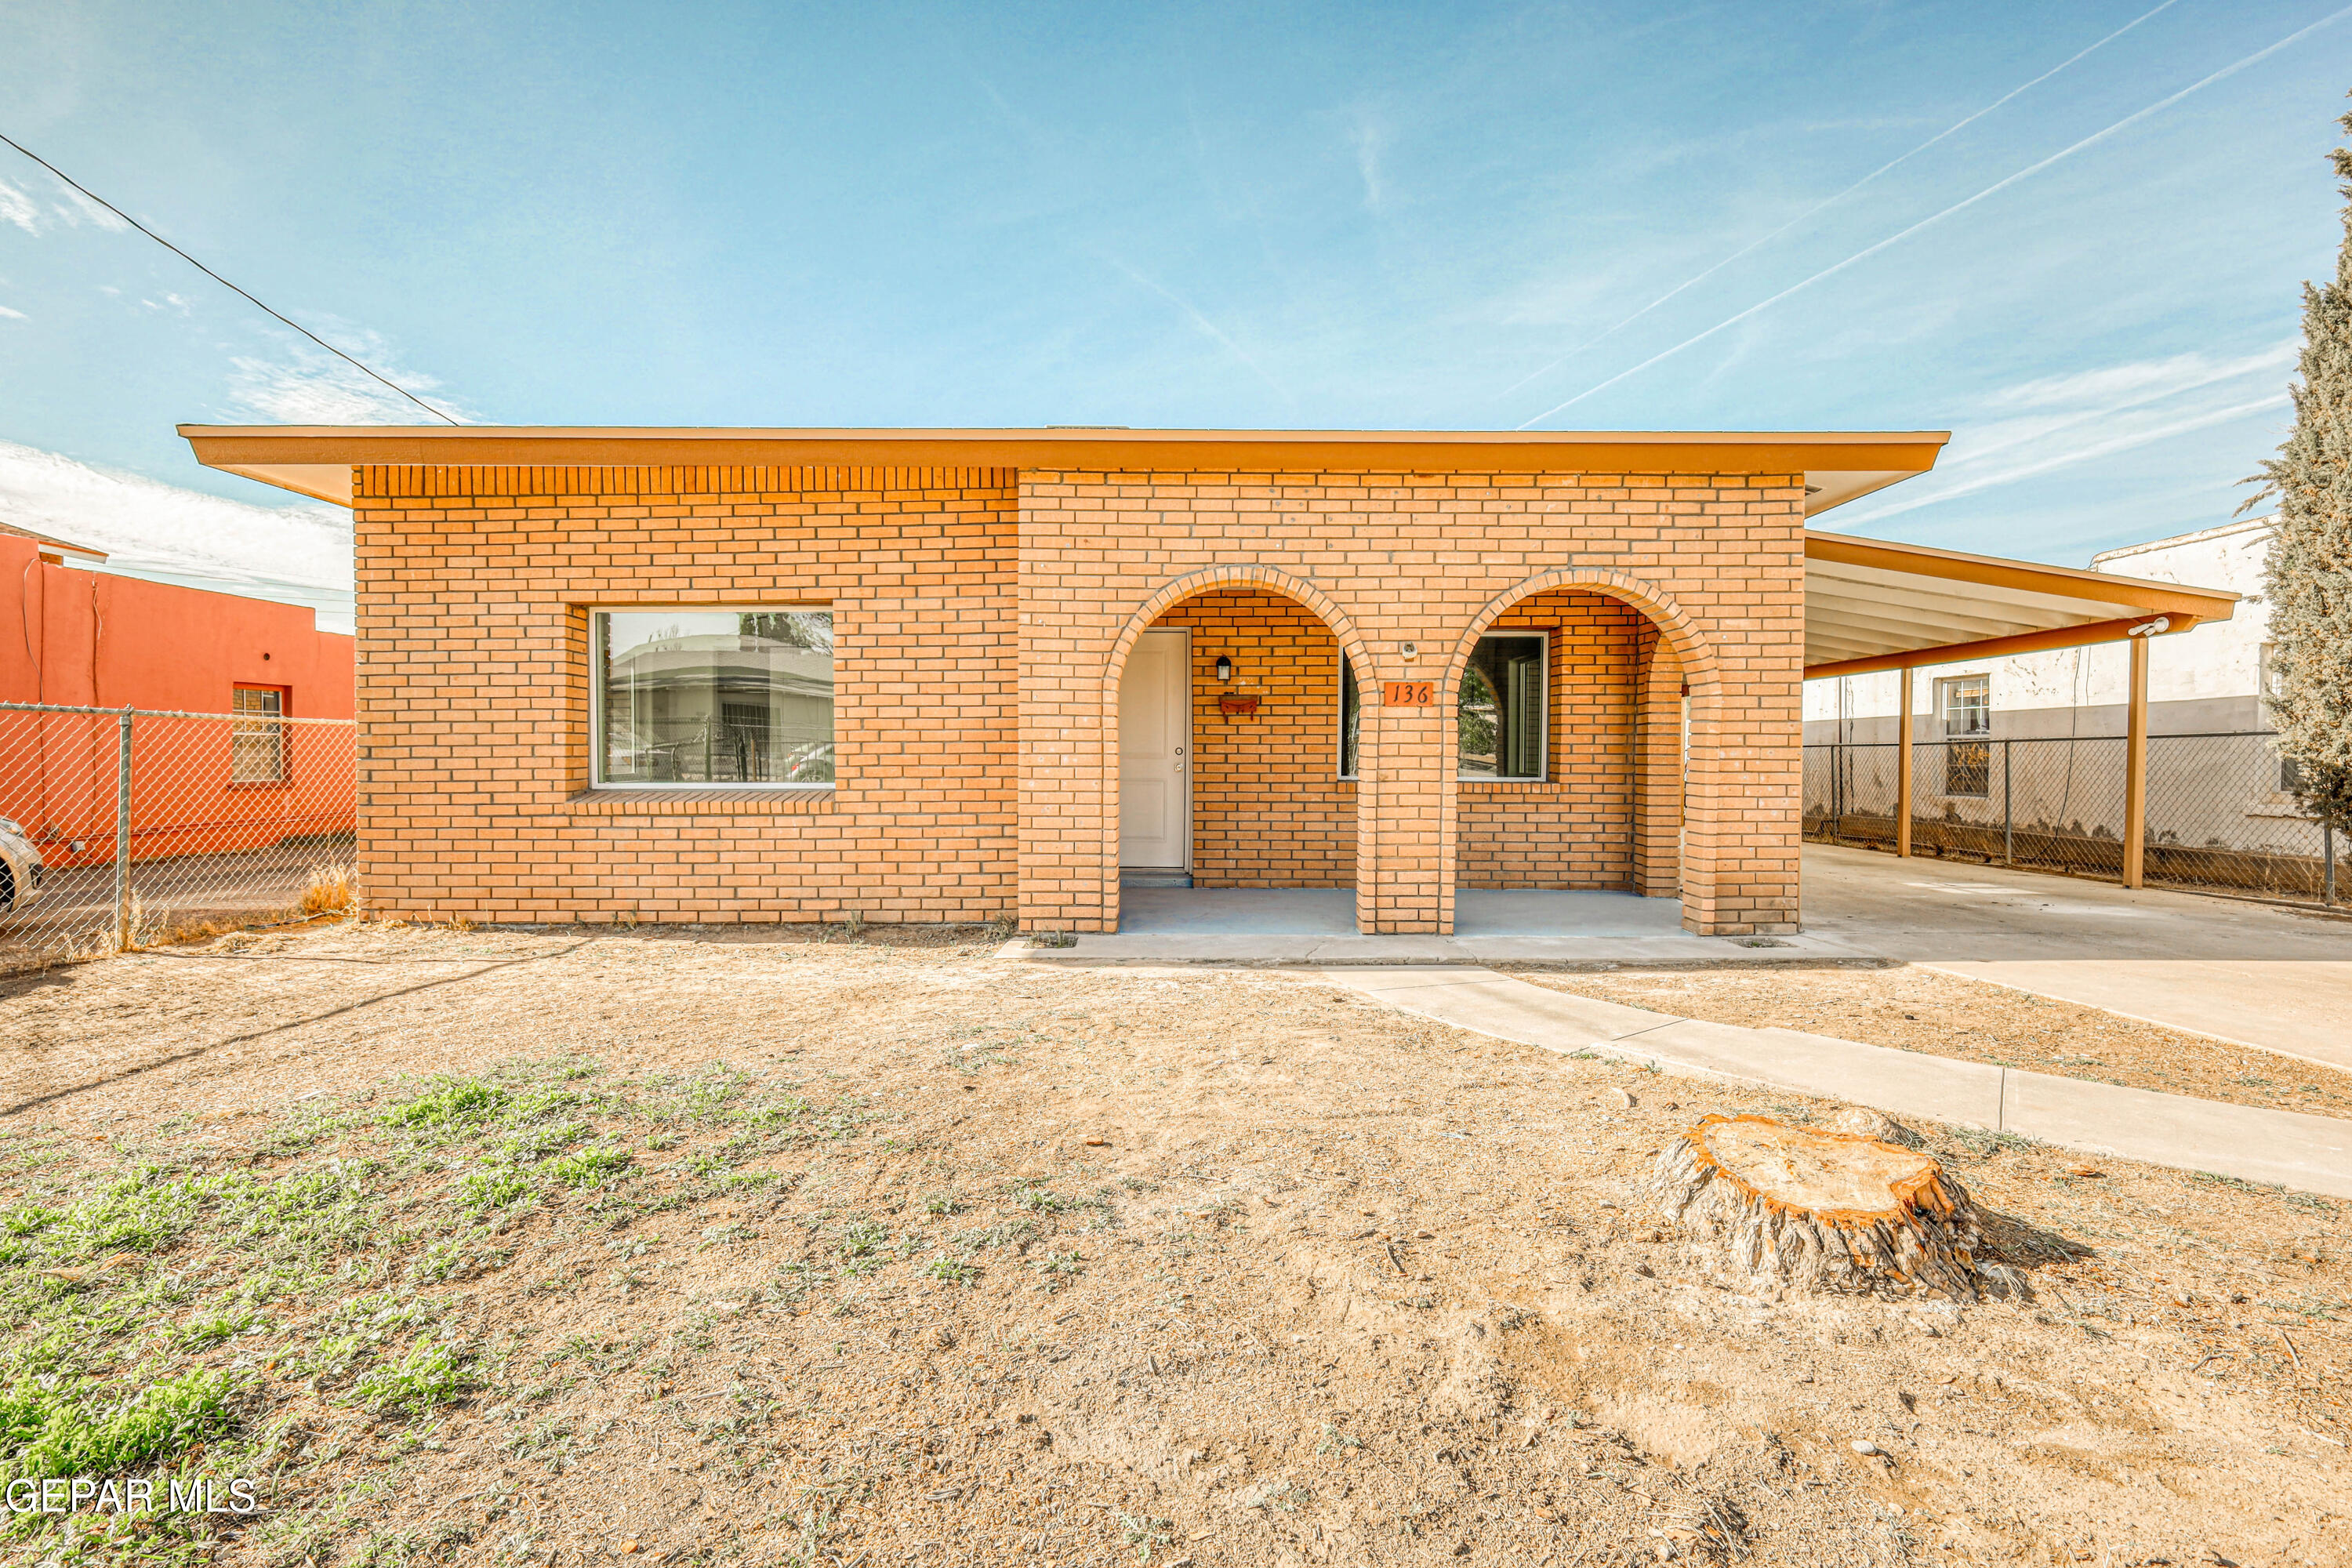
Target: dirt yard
1915	1009
508	1247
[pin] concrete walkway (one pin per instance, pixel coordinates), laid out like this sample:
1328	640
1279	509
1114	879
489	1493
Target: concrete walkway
2312	1153
2275	978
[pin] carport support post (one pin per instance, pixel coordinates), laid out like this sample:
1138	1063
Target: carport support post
2135	768
1903	767
122	831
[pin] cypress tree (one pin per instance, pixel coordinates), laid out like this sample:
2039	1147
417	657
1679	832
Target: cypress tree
2308	580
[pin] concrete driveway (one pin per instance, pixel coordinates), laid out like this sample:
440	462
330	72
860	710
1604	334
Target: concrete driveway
2255	973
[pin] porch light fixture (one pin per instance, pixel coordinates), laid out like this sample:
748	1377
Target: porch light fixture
1224	667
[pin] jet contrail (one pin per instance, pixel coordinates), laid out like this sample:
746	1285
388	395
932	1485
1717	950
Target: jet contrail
2095	137
1830	201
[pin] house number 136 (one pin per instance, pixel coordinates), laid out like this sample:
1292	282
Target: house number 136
1408	693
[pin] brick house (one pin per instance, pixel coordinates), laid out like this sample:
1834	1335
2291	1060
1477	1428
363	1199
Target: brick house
790	675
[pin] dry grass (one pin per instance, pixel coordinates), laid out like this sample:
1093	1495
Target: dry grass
956	1259
330	891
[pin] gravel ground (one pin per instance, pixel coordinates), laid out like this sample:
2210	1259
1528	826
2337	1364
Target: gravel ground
1117	1265
1915	1009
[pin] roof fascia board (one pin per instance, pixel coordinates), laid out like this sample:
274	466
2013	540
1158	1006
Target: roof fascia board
2060	581
1995	648
257	450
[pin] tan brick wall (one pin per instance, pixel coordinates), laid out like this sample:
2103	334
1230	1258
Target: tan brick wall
1269	809
1386	560
1575	829
982	619
475	587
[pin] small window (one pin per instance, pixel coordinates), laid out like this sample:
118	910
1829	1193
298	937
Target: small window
1501	722
257	747
1965	705
2290	776
2268	677
1351	717
713	695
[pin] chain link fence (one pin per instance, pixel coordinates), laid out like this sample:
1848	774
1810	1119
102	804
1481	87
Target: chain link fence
133	827
2220	815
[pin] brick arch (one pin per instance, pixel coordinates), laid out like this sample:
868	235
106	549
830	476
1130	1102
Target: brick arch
1690	646
1700	669
1210	578
1175	591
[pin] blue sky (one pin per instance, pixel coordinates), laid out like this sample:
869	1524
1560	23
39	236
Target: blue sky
1341	215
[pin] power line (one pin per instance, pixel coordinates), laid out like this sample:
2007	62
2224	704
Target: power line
223	282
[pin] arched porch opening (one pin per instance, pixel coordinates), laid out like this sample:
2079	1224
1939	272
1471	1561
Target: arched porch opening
1232	762
1571	705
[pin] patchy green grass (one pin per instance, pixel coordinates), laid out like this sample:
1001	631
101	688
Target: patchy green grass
314	1297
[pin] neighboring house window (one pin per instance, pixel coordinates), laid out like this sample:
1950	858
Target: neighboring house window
1501	724
1351	717
713	695
1965	702
256	746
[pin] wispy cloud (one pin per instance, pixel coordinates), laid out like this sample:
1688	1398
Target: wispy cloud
1888	167
1369	139
306	385
11	315
18	208
148	526
27	209
1207	327
2049	423
1998	185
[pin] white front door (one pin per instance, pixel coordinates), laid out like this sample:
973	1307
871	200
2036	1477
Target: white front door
1155	744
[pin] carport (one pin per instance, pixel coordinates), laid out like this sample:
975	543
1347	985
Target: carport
1871	606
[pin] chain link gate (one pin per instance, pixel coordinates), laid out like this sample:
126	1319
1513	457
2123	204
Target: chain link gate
151	826
2221	816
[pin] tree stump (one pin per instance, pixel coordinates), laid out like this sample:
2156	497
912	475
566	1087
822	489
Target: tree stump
1774	1209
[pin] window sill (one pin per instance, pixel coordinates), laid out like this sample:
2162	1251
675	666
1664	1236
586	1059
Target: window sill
800	802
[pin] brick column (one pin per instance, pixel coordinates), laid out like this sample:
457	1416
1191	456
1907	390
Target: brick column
1404	841
1658	770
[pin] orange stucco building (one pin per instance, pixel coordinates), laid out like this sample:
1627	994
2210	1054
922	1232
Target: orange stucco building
71	637
962	675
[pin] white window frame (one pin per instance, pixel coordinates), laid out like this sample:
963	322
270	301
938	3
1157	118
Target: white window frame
1542	774
1945	685
271	727
596	779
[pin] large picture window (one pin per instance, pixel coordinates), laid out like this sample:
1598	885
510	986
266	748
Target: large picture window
713	695
1501	723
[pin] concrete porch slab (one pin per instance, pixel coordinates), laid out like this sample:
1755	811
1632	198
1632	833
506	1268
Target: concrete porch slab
1317	926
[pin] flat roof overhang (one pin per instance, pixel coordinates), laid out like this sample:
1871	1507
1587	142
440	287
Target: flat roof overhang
316	461
1873	605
